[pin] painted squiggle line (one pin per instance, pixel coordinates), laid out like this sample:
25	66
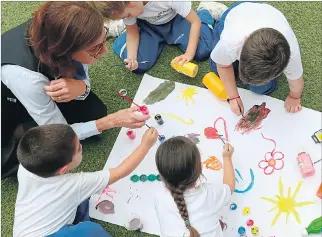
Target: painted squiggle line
170	115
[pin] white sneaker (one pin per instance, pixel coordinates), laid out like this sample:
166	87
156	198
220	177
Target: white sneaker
115	28
216	9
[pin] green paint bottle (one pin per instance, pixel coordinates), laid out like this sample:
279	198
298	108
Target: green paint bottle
314	228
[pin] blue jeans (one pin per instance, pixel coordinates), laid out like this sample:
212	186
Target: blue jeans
82	226
218	29
153	38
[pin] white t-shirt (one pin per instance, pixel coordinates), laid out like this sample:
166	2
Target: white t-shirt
44	205
158	13
246	18
203	204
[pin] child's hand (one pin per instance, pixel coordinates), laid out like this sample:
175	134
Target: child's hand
228	151
292	105
131	64
184	58
237	106
149	138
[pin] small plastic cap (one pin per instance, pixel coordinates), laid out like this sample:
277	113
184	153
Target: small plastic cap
304	232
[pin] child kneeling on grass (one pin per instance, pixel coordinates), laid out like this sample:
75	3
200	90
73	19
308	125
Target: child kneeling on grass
255	42
184	207
150	25
50	200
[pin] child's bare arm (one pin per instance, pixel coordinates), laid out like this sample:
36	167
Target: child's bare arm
293	100
227	75
229	175
132	45
131	162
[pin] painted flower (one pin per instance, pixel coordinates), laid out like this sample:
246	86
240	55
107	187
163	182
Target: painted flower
273	161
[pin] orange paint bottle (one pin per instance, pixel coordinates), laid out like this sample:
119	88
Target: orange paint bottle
214	84
319	192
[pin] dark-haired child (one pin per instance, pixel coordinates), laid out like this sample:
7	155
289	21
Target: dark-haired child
187	207
150	25
255	41
50	200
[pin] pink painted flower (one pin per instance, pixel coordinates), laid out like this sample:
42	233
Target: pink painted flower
273	161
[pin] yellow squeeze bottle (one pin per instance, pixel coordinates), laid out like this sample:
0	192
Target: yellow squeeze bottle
214	84
188	69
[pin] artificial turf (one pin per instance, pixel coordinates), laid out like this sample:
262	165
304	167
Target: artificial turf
304	17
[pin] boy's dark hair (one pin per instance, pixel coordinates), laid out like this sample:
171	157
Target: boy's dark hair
108	9
264	56
179	164
45	149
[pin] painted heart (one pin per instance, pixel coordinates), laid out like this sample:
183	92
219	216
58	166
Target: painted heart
212	132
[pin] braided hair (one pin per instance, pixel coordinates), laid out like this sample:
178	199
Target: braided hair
179	164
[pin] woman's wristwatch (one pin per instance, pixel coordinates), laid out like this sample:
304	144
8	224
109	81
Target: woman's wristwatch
88	89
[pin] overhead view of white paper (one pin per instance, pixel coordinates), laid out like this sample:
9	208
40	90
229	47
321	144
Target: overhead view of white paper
277	198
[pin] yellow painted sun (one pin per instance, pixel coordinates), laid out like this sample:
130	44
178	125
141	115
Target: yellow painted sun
187	94
287	204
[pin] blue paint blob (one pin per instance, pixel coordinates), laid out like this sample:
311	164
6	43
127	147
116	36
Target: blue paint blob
233	206
249	186
241	231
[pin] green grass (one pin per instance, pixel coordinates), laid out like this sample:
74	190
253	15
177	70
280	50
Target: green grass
304	17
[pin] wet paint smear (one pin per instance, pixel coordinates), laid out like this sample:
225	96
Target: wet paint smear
193	137
253	119
212	163
212	132
160	93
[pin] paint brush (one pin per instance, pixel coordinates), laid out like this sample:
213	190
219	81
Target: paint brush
317	161
150	127
124	64
220	136
128	99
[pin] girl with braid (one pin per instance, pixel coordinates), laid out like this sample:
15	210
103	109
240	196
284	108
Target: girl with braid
187	207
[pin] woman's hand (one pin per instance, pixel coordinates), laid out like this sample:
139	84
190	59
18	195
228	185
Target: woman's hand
65	89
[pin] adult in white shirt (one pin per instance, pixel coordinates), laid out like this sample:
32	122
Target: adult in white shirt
44	77
255	40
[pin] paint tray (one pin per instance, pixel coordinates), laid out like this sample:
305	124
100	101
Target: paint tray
317	136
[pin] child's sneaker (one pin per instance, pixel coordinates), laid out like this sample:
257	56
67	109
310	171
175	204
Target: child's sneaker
115	28
216	9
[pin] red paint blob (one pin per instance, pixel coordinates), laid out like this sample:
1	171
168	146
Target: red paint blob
211	133
250	223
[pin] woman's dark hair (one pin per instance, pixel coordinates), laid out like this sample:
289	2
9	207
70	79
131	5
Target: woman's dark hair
179	164
59	29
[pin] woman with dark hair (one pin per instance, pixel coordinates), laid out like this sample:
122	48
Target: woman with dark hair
44	77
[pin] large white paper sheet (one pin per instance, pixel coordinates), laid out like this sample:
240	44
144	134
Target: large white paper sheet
290	131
